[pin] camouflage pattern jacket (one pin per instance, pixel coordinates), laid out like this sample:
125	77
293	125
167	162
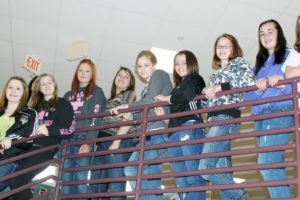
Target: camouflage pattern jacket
237	73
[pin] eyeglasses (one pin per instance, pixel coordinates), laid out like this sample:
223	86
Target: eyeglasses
223	46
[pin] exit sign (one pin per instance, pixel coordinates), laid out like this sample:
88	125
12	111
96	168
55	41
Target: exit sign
32	64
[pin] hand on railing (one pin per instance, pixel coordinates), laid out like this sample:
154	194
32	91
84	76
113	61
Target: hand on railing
160	98
25	139
5	144
115	110
261	84
210	91
273	80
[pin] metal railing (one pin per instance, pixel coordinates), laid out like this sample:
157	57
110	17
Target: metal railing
294	145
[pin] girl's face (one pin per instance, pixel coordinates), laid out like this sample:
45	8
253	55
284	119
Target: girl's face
268	36
145	68
47	87
84	74
224	49
180	65
14	91
122	80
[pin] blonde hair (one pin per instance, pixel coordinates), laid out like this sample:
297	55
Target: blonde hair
38	102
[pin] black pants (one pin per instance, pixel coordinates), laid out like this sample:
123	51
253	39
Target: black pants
26	178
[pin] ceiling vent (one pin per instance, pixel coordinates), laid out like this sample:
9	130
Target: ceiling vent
78	50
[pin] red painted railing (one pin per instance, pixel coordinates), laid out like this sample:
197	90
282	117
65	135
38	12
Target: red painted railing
295	145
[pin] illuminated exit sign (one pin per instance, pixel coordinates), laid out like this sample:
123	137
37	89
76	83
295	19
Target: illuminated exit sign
32	64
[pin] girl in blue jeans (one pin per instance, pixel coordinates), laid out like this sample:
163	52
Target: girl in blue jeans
158	82
233	72
13	109
122	91
272	54
188	84
86	98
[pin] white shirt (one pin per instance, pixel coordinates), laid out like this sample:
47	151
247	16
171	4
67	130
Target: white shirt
293	60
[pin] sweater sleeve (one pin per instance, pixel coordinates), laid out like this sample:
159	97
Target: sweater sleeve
192	88
63	124
27	130
242	74
96	105
156	86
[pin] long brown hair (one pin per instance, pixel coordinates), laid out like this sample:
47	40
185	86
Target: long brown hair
90	87
131	87
279	51
297	43
23	100
236	50
191	63
38	102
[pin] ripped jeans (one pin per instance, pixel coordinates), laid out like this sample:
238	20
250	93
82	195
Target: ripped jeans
189	165
274	156
220	162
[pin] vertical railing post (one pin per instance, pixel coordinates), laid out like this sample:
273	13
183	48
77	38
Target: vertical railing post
297	126
141	155
60	167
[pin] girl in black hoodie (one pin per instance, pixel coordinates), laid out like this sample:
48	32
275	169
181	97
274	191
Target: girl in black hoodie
16	122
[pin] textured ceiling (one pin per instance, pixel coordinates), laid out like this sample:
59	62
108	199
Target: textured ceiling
116	30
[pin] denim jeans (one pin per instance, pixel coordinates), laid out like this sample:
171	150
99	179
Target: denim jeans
5	170
189	165
220	162
112	172
76	162
274	156
148	169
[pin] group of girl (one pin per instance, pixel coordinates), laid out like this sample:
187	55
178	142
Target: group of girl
43	116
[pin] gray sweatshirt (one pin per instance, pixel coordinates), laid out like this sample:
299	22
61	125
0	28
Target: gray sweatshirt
159	83
95	103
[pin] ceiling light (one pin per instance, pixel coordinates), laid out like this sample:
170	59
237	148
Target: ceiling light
165	58
78	50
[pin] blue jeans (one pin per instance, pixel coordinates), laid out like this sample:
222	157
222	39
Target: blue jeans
112	172
148	169
189	165
76	162
274	156
220	162
5	170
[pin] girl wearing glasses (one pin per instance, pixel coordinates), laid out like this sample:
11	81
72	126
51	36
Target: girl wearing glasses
233	71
